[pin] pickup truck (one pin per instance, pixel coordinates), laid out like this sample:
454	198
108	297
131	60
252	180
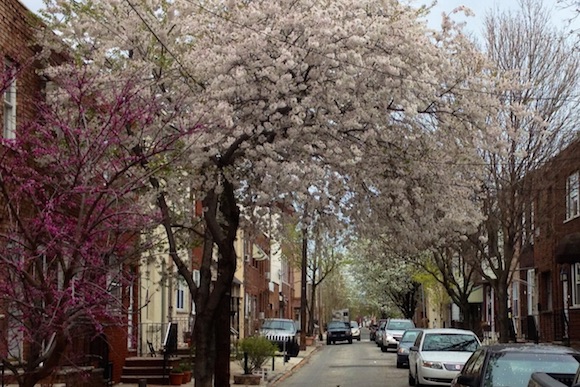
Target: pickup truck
542	379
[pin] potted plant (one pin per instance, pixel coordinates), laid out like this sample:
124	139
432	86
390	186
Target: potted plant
187	369
253	352
176	376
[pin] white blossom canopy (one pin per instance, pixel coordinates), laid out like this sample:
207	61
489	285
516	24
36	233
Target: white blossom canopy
353	104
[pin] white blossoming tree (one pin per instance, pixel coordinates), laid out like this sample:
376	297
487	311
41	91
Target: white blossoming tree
355	98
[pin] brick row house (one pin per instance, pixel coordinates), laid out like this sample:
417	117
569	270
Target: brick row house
554	276
16	26
544	295
23	89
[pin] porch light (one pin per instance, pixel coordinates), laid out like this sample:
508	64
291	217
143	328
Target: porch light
563	274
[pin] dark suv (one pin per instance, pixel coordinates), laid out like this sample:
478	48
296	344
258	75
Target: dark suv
338	331
282	332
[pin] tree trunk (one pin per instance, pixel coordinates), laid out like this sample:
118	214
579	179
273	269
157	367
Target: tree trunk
502	313
204	352
223	342
311	307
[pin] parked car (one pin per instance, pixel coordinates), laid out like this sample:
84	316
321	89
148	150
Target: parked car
373	331
394	330
407	340
438	355
284	333
355	330
379	332
513	364
338	331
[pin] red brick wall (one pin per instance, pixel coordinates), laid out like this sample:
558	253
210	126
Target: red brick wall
15	32
117	338
550	199
17	26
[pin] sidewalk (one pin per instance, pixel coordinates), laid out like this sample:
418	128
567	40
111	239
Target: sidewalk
273	372
280	369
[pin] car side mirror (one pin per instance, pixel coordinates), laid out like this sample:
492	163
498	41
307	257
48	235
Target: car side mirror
466	380
298	331
414	348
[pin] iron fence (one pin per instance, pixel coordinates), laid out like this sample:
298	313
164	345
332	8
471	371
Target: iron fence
152	335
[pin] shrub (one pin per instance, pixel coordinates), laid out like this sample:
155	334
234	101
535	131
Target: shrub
259	350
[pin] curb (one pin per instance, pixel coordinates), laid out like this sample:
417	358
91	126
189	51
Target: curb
282	376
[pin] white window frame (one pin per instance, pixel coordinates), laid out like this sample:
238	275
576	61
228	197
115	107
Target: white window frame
572	196
9	103
576	285
531	285
114	285
180	295
515	299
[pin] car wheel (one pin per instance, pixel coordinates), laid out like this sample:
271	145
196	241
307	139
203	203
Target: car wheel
384	349
350	341
358	338
399	365
411	379
295	350
328	342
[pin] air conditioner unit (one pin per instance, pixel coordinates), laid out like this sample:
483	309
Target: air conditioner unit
267	275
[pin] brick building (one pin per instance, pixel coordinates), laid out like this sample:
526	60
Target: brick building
16	27
556	249
22	90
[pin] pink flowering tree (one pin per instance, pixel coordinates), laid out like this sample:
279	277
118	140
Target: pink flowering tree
71	193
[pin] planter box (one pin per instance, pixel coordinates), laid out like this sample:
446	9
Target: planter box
250	380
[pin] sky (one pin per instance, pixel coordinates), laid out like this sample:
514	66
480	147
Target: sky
481	8
474	24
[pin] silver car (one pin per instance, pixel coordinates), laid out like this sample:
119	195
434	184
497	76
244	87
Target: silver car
394	330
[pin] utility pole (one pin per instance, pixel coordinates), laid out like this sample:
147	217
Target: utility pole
303	300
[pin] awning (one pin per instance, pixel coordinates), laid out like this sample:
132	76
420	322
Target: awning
476	295
258	254
568	249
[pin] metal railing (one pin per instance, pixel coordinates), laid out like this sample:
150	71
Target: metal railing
154	333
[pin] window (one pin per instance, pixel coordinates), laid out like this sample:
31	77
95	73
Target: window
515	299
576	284
546	288
180	297
572	191
530	292
9	115
114	285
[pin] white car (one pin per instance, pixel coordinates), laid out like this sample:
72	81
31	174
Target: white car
438	355
355	329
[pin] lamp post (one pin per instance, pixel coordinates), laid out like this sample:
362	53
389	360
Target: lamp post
564	280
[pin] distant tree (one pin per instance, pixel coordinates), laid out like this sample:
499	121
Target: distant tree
539	119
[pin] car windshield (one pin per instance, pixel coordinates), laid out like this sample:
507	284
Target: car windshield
337	324
279	325
400	325
515	369
353	324
409	337
450	342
